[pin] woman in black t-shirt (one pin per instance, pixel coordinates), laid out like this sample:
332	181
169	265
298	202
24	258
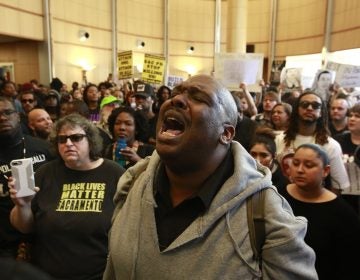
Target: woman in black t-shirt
333	227
71	213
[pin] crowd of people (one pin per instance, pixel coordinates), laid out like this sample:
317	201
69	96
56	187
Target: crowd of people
174	206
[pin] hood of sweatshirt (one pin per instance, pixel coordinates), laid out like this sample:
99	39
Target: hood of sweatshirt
248	178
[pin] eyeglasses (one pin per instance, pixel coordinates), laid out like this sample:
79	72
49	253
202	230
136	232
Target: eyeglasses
31	101
305	104
75	138
7	113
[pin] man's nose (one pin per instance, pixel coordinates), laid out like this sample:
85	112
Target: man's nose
179	101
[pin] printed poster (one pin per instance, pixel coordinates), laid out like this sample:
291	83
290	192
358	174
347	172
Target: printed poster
153	70
125	65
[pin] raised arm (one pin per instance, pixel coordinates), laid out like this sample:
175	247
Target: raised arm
249	99
21	216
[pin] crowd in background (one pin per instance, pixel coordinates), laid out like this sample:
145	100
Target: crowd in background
274	126
41	106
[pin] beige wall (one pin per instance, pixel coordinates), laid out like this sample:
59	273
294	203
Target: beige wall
300	27
22	18
300	30
191	23
259	25
346	25
140	21
70	55
24	55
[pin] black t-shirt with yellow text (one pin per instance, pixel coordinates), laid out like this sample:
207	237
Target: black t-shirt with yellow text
72	212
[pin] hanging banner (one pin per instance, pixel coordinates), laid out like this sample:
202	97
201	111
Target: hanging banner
125	65
153	70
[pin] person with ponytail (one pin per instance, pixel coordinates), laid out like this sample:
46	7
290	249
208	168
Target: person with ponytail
263	149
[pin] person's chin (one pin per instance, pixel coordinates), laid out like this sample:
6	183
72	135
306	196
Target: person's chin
309	120
70	160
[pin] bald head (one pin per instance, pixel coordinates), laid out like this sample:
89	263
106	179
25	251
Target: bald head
208	84
40	123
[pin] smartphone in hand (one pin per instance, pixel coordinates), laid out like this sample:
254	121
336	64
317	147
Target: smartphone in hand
22	171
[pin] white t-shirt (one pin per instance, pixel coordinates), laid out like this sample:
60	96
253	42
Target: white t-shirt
338	174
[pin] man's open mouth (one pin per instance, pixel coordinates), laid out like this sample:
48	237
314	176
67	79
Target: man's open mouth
172	127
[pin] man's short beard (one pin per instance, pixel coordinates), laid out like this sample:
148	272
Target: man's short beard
308	122
41	134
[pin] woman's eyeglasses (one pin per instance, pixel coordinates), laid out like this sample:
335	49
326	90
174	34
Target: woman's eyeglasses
305	104
62	139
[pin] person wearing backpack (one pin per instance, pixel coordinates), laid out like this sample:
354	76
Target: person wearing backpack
183	212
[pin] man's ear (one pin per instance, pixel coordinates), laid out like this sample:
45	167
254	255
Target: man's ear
228	134
31	126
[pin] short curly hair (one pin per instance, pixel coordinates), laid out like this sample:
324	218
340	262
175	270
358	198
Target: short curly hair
141	125
91	131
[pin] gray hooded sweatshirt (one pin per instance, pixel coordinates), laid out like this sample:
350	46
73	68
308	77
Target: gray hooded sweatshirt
217	244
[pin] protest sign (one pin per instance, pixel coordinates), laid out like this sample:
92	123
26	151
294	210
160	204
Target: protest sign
125	65
235	68
153	71
346	75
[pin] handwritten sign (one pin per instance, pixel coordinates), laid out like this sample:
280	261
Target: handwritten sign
235	68
153	71
346	75
125	65
173	81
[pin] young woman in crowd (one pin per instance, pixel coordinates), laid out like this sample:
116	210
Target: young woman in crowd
280	115
263	149
125	122
162	95
333	227
350	143
70	215
91	97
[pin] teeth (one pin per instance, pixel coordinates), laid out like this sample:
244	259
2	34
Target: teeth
168	133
